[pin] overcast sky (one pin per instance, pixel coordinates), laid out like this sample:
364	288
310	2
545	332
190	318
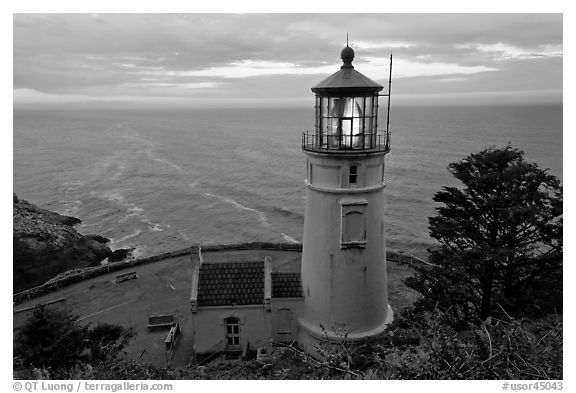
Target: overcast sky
215	59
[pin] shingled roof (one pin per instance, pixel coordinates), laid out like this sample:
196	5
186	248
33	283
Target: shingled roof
286	285
224	284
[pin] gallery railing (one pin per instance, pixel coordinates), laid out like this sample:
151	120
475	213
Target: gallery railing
321	142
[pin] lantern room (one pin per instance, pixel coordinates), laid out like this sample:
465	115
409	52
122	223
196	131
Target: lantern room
347	112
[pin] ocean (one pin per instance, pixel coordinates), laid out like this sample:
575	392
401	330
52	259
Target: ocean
159	180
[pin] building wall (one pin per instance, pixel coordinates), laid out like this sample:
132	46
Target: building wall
285	313
210	327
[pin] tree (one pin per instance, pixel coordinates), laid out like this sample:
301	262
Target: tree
50	339
53	343
500	235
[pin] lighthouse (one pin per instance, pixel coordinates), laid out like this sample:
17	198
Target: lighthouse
344	279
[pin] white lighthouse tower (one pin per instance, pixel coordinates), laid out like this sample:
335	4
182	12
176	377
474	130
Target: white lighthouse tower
344	252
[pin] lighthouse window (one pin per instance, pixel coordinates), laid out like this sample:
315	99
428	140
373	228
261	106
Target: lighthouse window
353	175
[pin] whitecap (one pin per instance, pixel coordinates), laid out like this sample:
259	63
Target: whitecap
152	155
72	207
261	216
289	238
110	196
156	228
135	211
137	232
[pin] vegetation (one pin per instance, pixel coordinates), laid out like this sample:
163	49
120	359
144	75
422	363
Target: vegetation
418	346
492	295
51	344
500	237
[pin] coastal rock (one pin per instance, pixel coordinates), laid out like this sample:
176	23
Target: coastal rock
46	244
120	254
98	238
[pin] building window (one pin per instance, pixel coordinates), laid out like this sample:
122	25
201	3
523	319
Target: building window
232	332
353	175
353	224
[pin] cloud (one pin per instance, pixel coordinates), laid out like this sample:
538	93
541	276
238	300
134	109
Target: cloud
245	55
382	45
32	98
175	85
242	69
502	51
376	67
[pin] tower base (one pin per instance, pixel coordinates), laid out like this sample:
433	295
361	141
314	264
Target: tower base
316	341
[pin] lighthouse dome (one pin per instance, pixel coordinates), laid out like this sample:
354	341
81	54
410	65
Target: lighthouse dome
347	55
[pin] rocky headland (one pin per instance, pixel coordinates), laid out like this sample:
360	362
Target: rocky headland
46	244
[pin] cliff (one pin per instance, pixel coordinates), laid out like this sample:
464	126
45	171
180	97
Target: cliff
45	244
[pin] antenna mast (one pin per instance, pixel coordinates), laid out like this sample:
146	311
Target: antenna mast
388	112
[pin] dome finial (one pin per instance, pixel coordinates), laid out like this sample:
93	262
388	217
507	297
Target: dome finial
347	55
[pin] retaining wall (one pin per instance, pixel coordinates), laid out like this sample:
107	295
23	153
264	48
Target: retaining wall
60	282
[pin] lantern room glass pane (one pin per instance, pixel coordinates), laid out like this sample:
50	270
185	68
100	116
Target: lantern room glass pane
369	106
357	133
332	126
334	107
332	132
368	122
324	106
358	107
347	107
318	115
346	132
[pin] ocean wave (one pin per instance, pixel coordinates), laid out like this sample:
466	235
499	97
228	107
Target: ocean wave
119	172
284	211
261	216
132	210
73	185
137	232
139	251
109	195
289	238
184	236
71	208
135	211
155	227
152	155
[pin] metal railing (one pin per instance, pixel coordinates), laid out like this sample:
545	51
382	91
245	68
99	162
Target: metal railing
320	142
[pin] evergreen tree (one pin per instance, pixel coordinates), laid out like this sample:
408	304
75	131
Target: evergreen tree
500	238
